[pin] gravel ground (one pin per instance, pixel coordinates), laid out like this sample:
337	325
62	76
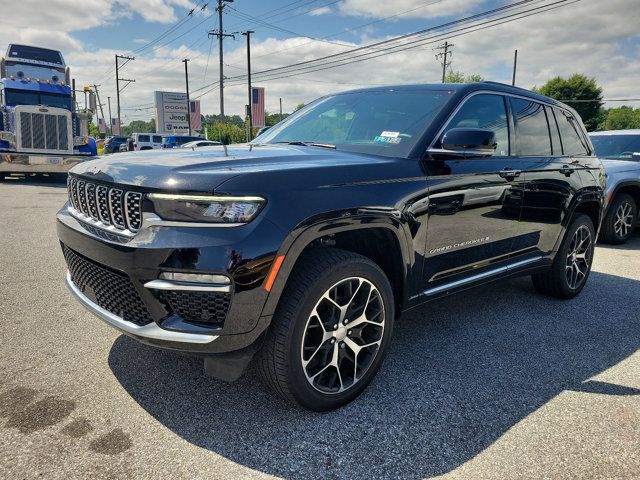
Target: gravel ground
497	383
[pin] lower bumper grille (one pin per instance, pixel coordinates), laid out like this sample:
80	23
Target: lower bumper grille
109	289
205	308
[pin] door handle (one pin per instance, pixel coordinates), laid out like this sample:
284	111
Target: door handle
510	174
566	170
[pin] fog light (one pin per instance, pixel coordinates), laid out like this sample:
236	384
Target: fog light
195	278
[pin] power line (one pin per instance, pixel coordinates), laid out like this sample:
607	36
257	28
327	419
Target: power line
318	64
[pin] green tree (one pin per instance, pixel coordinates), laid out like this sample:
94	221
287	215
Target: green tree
226	133
582	93
459	77
298	107
620	118
139	126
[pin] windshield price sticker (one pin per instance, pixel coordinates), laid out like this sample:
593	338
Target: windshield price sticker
388	137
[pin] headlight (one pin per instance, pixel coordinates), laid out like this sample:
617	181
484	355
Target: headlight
8	137
202	208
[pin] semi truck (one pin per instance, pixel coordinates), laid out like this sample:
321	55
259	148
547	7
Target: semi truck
41	129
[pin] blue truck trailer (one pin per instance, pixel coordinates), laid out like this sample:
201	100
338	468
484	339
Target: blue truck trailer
41	130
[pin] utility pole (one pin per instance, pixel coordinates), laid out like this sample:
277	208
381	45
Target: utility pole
515	66
186	78
73	91
445	55
110	118
118	89
220	34
100	105
280	109
249	110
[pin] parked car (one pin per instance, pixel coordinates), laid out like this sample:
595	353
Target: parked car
303	247
201	143
619	151
147	141
112	144
174	141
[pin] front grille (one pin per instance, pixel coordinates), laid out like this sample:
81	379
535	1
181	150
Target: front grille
111	207
208	308
108	288
43	131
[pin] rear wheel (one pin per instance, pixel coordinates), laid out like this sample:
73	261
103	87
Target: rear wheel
330	331
572	264
621	219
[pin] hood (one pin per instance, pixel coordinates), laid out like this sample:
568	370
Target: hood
204	169
616	166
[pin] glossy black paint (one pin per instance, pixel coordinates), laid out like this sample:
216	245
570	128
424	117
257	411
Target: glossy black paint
445	218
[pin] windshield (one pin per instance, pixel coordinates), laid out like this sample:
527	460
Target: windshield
385	123
621	147
35	53
24	97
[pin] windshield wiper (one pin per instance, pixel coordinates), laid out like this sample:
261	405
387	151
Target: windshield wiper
310	144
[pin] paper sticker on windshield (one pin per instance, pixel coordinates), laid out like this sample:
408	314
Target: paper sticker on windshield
390	134
392	140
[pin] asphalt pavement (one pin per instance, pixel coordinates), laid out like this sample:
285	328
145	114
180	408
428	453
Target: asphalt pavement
494	383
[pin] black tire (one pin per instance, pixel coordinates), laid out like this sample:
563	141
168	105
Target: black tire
280	361
557	282
612	232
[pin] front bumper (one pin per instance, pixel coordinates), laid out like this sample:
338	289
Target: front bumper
244	254
39	163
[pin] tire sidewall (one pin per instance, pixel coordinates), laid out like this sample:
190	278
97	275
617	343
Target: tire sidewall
301	389
611	218
579	221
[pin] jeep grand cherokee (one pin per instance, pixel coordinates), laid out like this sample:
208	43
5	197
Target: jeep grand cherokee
303	247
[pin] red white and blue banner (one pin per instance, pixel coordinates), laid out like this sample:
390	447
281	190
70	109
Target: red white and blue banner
257	106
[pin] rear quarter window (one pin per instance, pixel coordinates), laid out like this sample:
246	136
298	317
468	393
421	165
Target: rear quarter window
532	129
573	142
157	139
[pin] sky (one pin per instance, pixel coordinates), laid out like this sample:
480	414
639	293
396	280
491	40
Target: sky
594	37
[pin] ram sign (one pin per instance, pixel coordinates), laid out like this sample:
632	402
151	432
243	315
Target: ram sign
171	113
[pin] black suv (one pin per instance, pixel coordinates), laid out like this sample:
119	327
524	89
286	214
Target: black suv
112	144
303	247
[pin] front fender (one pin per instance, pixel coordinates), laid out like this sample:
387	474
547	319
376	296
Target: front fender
336	222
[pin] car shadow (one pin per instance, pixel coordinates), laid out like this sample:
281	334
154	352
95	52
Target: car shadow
460	373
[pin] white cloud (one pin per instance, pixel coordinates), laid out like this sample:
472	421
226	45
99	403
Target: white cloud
414	8
320	11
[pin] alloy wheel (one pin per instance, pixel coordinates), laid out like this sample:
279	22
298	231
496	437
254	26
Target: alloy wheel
624	220
342	335
579	257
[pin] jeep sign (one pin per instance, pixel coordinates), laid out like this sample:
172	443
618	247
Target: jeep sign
171	113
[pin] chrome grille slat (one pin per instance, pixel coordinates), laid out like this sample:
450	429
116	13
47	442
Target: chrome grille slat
103	204
110	208
133	209
115	207
82	197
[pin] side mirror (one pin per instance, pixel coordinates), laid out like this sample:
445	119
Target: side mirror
466	143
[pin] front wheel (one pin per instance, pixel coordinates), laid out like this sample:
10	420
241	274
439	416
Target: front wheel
330	332
572	263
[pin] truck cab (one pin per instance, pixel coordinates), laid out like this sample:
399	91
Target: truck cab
39	127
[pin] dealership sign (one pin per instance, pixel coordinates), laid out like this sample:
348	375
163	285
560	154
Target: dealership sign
171	113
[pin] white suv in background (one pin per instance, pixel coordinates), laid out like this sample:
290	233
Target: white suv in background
147	141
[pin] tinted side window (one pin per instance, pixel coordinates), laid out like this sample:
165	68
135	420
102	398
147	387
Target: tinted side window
488	112
572	141
532	129
144	138
157	139
555	135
